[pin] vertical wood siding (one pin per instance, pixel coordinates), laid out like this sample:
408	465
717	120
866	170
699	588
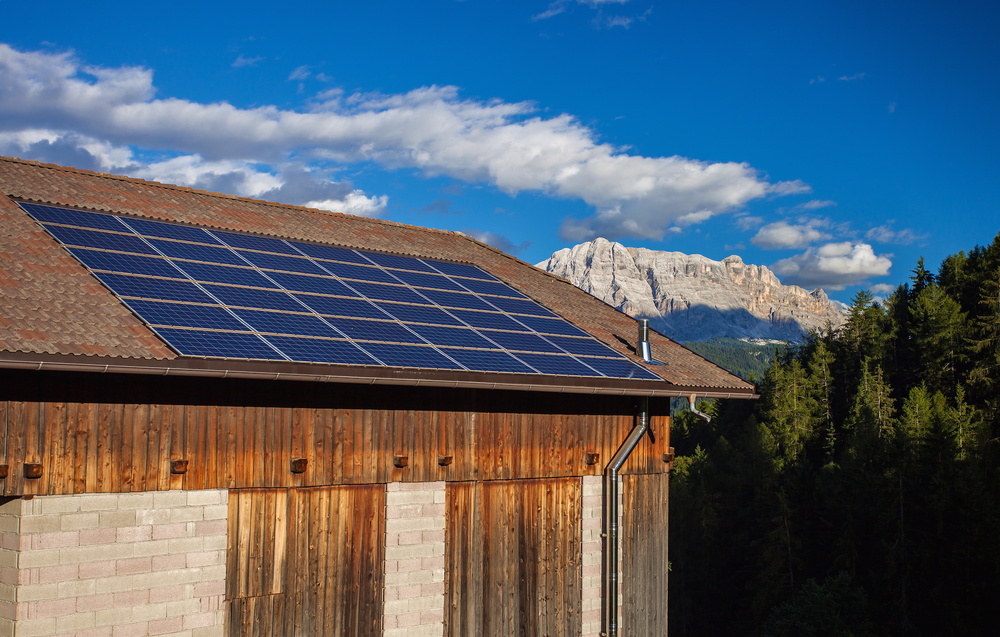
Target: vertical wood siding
513	558
644	555
119	434
305	562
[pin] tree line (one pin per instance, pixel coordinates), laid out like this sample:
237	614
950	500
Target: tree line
861	494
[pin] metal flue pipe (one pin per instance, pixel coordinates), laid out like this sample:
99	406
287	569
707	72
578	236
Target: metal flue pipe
610	519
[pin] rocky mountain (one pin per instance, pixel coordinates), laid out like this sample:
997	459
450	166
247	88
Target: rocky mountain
691	297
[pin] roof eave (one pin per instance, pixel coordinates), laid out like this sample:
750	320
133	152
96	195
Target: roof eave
309	372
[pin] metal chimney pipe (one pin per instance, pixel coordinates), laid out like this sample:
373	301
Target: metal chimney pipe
642	346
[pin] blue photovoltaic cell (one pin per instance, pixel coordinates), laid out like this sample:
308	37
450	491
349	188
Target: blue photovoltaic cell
490	287
456	299
396	355
461	269
224	344
286	323
331	253
224	274
97	239
584	346
316	284
251	242
489	361
451	336
518	306
419	314
420	279
361	330
620	368
185	315
387	292
197	252
251	297
72	217
168	230
277	262
340	306
489	320
558	365
115	262
551	326
321	350
359	272
149	288
401	263
520	341
470	319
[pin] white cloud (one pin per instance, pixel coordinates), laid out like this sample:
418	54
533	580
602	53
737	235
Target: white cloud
355	203
816	204
886	234
242	61
300	73
782	235
833	266
882	288
431	129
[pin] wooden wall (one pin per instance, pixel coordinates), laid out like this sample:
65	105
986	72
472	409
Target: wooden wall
103	433
305	562
644	554
513	558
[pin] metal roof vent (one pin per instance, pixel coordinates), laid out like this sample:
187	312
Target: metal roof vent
642	346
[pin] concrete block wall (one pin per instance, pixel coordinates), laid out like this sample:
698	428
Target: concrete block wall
592	558
414	559
114	565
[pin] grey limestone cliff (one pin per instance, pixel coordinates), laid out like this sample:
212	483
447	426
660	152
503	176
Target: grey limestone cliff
691	297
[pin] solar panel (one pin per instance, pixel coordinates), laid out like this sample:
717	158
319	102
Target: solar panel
224	294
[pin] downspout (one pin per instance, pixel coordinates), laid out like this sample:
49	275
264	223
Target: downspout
611	509
694	411
610	535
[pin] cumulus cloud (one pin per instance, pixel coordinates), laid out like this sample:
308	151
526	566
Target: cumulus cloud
432	130
783	235
833	266
882	288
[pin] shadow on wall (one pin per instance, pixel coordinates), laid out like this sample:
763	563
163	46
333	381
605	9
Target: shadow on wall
701	322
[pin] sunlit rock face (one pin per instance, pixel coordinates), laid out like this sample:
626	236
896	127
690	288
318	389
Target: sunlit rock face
691	297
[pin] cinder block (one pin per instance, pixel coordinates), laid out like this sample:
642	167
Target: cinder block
74	623
77	588
169	499
207	497
165	626
40	524
36	627
217	512
211	527
98	536
154	548
199	620
35	559
56	504
36	592
93	603
150	612
117	518
211	631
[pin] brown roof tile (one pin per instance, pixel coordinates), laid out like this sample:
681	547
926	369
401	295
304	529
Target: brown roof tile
52	305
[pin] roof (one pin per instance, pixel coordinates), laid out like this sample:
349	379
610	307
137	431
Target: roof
56	314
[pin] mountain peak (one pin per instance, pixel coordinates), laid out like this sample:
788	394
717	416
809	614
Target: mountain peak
692	297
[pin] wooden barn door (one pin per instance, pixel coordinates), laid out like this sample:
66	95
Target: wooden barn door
513	558
644	554
305	562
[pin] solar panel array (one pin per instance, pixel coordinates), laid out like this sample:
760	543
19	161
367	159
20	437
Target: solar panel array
213	293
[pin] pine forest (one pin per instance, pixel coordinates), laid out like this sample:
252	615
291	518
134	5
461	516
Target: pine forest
861	494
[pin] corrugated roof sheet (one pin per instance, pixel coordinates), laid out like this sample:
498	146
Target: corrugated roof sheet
51	305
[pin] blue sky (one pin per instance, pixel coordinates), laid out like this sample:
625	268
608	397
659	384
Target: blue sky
835	142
